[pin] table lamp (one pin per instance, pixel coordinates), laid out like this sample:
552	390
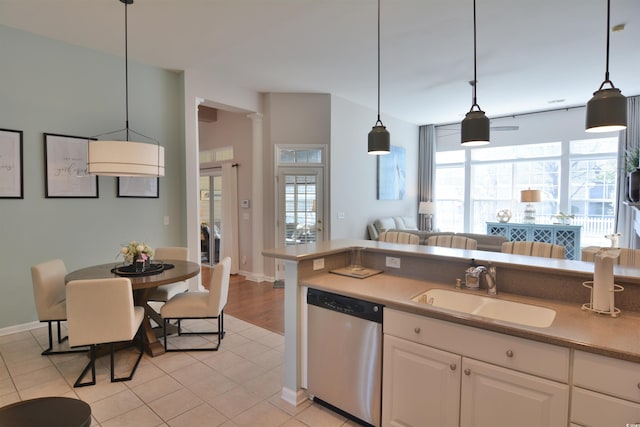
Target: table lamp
529	196
426	209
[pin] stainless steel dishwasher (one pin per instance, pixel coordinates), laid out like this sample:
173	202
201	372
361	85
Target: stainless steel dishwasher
345	354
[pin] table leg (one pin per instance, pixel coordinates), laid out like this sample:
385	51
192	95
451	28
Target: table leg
152	345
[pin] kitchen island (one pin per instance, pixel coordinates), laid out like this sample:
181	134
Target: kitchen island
556	284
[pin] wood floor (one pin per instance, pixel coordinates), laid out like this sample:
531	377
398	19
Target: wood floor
258	303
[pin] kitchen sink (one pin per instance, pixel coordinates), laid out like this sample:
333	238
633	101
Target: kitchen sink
492	308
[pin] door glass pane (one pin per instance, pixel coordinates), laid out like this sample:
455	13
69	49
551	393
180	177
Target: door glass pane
210	214
300	193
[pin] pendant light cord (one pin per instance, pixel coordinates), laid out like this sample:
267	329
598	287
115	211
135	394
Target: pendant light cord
606	73
475	79
379	121
126	70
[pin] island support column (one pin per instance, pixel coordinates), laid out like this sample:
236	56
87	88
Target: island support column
294	302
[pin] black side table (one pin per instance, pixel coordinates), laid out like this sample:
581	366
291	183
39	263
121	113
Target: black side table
46	412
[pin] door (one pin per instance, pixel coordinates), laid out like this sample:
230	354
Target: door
300	218
420	385
210	217
493	396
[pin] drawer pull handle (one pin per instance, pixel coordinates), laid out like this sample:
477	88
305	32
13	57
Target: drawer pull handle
416	330
467	371
453	366
509	353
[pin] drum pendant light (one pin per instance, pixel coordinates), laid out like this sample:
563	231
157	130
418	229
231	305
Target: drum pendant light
607	109
125	158
475	126
379	137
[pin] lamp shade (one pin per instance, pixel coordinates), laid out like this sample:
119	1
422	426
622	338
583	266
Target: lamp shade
475	128
125	158
426	208
530	196
379	140
606	111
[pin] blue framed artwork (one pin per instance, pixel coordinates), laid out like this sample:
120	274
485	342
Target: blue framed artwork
392	174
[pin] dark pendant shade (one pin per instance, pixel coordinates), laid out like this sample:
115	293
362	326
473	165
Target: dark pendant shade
379	140
475	128
606	111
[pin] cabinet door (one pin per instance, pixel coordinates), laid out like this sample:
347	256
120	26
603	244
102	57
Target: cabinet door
599	410
493	396
420	385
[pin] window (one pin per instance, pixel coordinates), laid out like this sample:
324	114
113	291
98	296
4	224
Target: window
574	177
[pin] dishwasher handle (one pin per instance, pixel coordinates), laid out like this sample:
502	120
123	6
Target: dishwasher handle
346	305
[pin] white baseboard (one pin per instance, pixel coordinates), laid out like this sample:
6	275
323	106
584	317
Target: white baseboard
292	397
20	328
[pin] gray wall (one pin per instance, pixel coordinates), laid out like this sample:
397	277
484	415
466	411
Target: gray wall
52	87
354	201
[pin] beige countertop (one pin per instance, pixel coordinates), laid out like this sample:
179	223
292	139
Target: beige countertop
572	327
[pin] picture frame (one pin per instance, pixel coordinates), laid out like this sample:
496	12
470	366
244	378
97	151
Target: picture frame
11	164
138	187
66	172
392	174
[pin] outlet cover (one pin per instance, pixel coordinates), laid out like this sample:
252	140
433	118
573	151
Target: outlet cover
393	262
318	264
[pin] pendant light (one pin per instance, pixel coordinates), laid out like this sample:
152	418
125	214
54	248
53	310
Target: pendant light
379	137
475	126
607	110
125	158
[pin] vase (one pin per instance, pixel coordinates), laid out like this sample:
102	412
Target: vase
633	184
141	264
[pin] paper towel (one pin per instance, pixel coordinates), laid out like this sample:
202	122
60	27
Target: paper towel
603	279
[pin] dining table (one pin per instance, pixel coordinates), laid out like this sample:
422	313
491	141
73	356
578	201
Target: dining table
142	284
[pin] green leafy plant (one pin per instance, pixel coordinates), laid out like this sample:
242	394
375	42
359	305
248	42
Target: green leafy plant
631	159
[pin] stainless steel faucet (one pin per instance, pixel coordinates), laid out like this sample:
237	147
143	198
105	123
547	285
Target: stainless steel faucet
489	273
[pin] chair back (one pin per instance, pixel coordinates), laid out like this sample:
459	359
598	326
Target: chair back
628	257
540	249
101	311
172	252
452	241
48	289
219	287
399	237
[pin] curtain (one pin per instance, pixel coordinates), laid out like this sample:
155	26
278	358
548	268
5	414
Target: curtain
426	164
629	140
229	220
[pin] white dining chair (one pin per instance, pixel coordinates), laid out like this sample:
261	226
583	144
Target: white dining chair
49	295
164	293
101	311
200	305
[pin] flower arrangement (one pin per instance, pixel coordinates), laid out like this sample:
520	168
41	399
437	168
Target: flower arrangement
135	250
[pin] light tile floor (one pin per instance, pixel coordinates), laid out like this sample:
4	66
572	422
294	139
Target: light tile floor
239	385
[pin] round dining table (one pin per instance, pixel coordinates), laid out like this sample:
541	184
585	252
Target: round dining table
142	286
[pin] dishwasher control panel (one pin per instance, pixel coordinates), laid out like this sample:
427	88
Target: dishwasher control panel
347	305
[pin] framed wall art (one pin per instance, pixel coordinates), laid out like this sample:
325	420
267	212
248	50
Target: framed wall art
11	164
66	173
138	186
392	174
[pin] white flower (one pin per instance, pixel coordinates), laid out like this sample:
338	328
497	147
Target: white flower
140	248
124	250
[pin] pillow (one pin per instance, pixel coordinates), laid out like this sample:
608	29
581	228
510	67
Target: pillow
384	224
410	223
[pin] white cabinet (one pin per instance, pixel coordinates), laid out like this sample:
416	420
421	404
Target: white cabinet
421	385
606	391
494	396
490	372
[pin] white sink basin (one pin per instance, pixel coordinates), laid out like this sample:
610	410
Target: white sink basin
492	308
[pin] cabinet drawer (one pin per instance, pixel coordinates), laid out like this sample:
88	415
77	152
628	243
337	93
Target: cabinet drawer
607	375
545	360
599	410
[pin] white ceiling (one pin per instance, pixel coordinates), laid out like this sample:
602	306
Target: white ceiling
530	53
